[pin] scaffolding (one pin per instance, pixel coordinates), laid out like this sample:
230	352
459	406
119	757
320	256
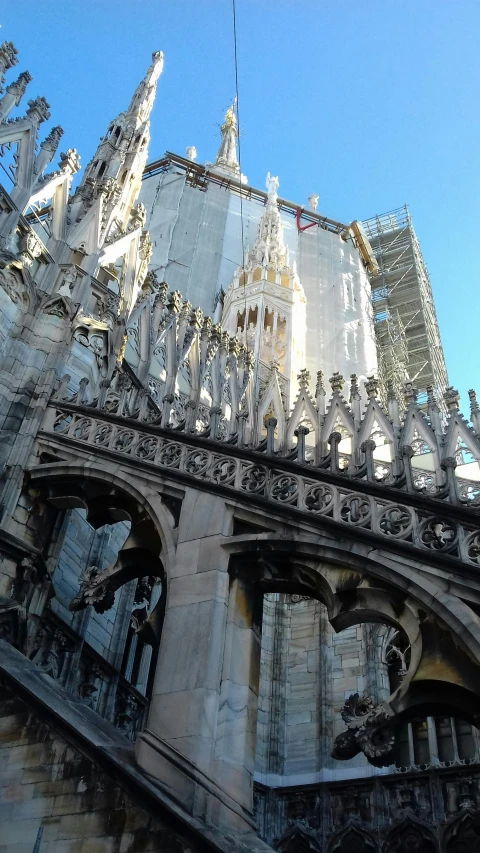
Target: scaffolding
405	319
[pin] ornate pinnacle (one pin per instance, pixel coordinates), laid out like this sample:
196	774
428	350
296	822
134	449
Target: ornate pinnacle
303	378
38	110
69	161
196	318
320	388
18	87
409	394
216	332
474	407
431	399
451	397
225	340
8	58
161	293
234	347
336	381
371	387
249	359
186	309
390	390
353	386
174	302
51	141
206	327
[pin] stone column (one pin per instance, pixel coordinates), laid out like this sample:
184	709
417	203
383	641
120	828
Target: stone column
191	742
237	719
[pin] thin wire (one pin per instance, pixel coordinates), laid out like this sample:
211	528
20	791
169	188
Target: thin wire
239	164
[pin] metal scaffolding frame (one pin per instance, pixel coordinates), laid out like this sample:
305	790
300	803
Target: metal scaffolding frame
405	318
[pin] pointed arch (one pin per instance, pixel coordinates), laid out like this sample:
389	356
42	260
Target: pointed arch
272	401
416	425
463	833
460	433
411	835
299	838
302	409
352	838
375	422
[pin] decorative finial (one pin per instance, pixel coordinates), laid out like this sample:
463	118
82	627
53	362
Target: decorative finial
371	387
336	381
320	387
474	407
409	394
451	397
303	378
354	390
191	152
313	201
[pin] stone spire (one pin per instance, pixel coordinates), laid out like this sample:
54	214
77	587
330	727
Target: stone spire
226	159
117	166
269	247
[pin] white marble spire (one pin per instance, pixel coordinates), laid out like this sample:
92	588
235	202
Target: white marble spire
226	159
269	247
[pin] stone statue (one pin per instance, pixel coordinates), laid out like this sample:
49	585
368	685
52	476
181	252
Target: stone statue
272	184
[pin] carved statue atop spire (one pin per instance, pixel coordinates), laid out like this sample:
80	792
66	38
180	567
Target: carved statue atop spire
272	184
226	159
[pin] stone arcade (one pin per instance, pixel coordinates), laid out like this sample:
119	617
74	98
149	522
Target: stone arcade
237	611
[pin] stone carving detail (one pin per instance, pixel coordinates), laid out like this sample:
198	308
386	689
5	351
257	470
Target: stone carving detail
49	650
438	534
128	713
319	498
298	491
88	688
92	592
12	283
368	731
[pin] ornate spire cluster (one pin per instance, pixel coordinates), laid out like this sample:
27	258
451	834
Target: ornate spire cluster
269	247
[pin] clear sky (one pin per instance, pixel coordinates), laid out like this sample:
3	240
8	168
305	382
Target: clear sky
370	104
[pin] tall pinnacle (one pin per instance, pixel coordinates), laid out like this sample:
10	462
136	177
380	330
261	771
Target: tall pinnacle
116	169
226	159
269	246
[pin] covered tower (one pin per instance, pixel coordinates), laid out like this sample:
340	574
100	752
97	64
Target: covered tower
265	304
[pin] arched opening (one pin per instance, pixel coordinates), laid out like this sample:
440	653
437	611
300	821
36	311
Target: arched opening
314	682
99	633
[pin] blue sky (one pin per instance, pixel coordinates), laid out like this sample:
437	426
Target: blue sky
370	104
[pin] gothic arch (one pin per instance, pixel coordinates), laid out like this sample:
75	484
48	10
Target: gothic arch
462	834
410	835
299	838
109	496
365	586
352	575
352	838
